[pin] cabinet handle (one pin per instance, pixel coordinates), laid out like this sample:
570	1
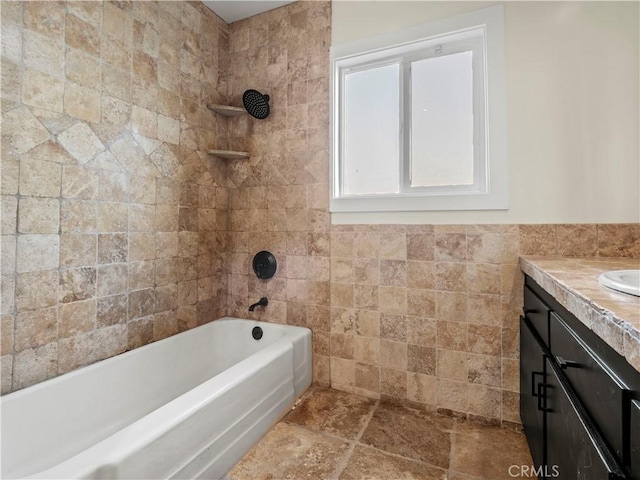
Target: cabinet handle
542	395
533	383
526	310
564	364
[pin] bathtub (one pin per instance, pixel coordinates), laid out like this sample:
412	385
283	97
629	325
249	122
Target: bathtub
189	406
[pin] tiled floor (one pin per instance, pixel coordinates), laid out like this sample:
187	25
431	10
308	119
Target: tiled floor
334	435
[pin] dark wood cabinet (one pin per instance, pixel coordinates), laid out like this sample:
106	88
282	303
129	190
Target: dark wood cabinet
574	448
579	399
532	374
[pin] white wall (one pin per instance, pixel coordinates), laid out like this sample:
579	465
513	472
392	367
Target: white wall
573	106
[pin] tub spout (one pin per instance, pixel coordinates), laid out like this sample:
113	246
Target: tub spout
263	302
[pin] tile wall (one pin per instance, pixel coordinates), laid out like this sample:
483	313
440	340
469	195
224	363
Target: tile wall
118	229
420	314
114	218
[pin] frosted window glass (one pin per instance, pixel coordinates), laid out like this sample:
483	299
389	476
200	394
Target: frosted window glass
372	131
442	121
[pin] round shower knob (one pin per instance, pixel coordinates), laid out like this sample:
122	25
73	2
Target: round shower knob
264	265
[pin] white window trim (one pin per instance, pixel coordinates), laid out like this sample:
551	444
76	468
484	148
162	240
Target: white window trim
383	48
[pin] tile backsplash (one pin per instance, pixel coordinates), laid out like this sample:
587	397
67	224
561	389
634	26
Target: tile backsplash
118	229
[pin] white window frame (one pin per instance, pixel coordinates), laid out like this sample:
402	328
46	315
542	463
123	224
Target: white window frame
482	32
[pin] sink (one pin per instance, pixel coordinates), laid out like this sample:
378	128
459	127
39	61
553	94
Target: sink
626	281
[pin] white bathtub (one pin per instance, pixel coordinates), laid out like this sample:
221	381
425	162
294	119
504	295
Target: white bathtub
189	406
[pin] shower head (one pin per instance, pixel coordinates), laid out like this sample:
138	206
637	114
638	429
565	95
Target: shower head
256	104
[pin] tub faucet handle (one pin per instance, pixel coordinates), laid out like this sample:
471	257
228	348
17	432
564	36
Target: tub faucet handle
263	302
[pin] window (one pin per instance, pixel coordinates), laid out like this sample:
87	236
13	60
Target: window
418	118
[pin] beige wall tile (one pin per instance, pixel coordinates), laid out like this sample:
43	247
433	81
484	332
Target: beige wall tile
484	369
112	248
342	372
393	246
111	310
422	388
81	68
9	215
79	182
40	179
35	328
35	365
37	253
22	131
453	395
483	278
46	18
77	284
78	249
36	290
393	383
452	365
6	334
39	215
164	325
342	346
393	354
538	239
42	90
485	401
452	335
485	248
111	279
619	240
421	331
82	35
6	373
421	303
82	102
451	277
9	175
367	377
77	318
113	217
421	359
81	142
43	53
109	341
75	352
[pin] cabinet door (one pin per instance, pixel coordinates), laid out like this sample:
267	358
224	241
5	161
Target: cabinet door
603	394
537	312
575	450
531	374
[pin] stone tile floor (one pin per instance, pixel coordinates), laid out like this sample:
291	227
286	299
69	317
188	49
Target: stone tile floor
335	435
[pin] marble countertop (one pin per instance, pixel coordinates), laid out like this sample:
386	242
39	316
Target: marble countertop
573	282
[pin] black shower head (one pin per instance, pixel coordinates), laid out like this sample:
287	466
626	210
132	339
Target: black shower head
256	104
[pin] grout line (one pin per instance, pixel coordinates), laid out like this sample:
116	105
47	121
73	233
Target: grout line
352	444
367	421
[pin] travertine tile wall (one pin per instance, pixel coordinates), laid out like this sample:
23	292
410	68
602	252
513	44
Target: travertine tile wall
117	229
114	218
421	314
280	200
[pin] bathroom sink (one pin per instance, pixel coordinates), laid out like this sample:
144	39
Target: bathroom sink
627	281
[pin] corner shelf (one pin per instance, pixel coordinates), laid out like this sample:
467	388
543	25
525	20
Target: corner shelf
227	110
229	154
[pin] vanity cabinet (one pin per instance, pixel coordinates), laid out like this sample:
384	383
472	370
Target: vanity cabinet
579	399
532	375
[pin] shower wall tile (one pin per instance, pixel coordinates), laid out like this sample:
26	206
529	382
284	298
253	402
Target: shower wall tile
126	232
110	235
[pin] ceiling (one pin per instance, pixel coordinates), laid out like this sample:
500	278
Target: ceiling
233	10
